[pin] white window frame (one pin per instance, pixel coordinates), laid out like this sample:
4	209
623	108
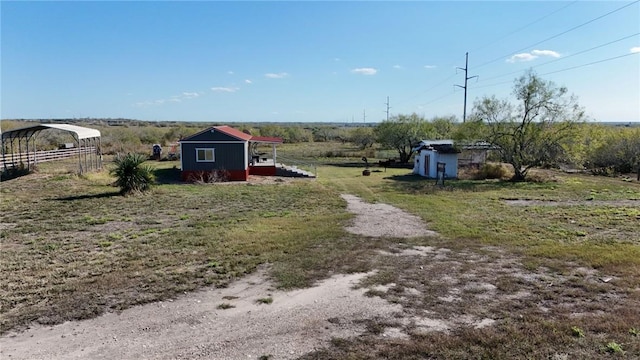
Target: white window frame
213	154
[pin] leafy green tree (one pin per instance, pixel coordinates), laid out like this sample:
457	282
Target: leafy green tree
444	127
472	130
325	133
132	175
364	137
297	134
534	132
402	132
618	153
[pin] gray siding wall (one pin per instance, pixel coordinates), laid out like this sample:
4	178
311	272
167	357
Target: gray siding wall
228	156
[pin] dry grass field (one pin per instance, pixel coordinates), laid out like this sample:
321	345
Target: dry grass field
538	270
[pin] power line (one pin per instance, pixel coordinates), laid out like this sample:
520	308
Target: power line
566	57
560	34
466	78
537	43
562	70
428	90
388	107
525	26
591	63
438	98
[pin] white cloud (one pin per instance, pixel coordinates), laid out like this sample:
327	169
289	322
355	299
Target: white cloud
397	66
230	72
173	99
190	95
521	57
635	50
276	75
365	71
534	54
545	53
430	66
224	89
247	81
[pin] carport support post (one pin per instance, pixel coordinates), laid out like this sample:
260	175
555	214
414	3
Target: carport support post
99	153
94	155
84	153
13	162
20	150
4	155
273	147
28	162
35	150
79	155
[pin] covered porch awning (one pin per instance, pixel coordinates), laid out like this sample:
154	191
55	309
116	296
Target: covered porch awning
258	140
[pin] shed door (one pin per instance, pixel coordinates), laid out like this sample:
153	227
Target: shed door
426	164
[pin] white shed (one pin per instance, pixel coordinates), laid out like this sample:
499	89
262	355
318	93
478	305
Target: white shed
430	153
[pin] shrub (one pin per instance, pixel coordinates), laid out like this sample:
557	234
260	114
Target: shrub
132	176
211	176
491	171
618	154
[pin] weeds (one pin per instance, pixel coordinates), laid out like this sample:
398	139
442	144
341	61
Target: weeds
577	332
517	265
613	347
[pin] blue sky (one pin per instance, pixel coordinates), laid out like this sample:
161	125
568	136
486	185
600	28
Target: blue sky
309	61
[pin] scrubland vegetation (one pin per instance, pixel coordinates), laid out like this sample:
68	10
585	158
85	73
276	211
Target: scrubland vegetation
558	254
73	248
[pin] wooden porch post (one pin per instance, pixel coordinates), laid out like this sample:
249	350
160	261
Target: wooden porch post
273	146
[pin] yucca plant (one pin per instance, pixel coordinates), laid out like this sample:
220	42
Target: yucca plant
132	176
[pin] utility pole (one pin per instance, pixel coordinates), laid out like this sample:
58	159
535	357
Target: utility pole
364	116
466	78
387	103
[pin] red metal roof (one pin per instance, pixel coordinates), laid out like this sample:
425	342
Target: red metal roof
233	132
228	130
267	139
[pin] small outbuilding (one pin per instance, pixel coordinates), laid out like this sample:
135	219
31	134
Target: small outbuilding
226	150
430	153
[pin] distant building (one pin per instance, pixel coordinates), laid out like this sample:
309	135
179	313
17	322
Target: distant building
431	152
226	150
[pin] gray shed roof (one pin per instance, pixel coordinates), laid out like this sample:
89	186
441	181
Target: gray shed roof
78	131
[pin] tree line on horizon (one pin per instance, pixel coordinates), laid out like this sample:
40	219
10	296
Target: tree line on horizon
544	127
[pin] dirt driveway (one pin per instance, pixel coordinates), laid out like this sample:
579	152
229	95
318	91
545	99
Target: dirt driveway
249	319
414	290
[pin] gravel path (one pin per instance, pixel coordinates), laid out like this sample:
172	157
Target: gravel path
383	220
193	327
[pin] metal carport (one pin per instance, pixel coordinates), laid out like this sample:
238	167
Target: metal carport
87	143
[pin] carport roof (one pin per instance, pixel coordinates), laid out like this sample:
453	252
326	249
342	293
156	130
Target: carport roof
78	131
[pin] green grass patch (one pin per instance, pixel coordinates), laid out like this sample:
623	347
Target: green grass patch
111	252
265	300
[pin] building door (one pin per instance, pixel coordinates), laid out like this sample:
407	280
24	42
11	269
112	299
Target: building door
426	164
